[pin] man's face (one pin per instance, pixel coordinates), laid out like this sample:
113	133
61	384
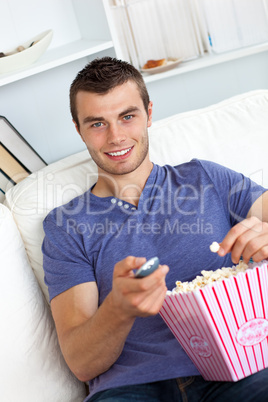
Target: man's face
114	127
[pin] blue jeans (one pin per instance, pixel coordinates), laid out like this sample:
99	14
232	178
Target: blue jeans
191	389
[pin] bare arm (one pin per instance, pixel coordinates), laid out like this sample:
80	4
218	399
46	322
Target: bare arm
92	338
249	238
260	208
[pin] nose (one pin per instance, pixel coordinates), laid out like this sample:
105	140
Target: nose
116	134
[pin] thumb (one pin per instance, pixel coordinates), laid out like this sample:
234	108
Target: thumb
125	267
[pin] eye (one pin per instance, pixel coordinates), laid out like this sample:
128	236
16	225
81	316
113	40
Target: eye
98	124
128	117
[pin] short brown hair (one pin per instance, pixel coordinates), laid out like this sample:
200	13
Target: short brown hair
102	75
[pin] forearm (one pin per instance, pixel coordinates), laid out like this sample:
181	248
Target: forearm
260	208
92	347
93	338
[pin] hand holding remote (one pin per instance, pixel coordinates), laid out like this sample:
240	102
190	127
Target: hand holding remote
147	268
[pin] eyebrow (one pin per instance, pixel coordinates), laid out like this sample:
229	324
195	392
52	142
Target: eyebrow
90	119
129	110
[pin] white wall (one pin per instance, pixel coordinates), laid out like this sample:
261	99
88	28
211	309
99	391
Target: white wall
209	85
38	106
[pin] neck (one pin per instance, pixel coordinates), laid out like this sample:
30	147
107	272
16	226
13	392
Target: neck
128	187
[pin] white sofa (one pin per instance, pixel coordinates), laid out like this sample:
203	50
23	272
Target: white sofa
233	133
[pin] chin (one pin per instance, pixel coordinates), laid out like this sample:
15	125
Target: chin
119	170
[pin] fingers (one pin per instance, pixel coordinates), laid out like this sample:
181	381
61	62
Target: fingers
138	297
150	302
125	267
149	292
248	239
145	285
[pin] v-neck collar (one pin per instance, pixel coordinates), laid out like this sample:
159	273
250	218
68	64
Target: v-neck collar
120	202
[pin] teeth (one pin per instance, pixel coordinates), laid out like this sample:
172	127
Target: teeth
119	153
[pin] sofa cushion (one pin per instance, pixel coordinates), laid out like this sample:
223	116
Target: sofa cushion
31	365
233	132
40	192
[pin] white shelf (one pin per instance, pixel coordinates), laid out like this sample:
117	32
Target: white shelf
78	49
56	57
206	61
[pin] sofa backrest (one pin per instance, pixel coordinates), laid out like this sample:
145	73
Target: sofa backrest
32	367
233	133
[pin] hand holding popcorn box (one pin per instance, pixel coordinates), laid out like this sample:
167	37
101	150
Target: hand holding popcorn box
223	326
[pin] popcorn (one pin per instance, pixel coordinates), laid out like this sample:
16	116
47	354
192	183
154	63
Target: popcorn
222	327
209	277
214	247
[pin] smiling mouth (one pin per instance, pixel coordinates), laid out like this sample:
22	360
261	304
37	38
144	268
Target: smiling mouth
119	153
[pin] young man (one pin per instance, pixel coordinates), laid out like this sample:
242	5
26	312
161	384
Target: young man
106	319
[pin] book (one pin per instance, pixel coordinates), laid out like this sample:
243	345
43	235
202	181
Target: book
234	24
170	32
20	149
11	166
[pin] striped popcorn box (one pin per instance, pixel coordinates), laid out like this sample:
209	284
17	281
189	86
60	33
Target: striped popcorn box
223	327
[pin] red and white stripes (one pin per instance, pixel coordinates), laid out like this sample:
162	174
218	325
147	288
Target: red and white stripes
223	328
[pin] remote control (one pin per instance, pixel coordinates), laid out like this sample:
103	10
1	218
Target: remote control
147	268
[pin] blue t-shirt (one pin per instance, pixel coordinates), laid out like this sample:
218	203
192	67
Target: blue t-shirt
181	211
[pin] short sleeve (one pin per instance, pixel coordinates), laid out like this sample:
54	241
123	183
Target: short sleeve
64	259
237	192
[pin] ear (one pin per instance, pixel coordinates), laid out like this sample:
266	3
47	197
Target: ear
150	114
77	129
